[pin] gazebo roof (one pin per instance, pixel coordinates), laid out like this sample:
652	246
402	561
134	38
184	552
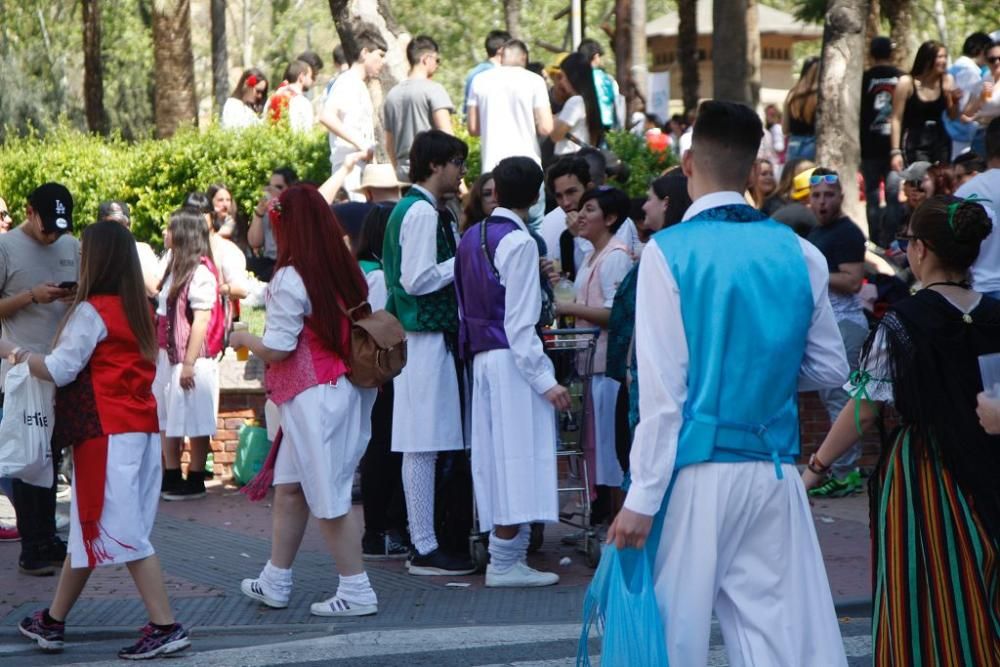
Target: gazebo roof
772	22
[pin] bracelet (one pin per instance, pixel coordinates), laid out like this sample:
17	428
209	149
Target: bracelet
816	466
894	152
31	293
258	213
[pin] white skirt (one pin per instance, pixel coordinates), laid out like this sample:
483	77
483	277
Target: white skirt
131	494
426	412
605	394
513	445
187	412
326	431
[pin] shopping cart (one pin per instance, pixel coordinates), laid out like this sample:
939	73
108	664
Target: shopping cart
572	355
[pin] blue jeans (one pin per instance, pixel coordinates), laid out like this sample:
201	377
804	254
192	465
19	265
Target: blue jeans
801	147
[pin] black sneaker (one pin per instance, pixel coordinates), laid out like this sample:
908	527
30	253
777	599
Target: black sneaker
382	546
48	636
172	481
190	489
55	551
42	560
154	642
439	562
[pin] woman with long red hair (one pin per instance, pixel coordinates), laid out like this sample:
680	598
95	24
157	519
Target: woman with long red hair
325	420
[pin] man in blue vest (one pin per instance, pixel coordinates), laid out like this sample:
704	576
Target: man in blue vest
732	320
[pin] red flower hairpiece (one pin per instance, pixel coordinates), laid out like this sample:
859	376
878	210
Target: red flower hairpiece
252	81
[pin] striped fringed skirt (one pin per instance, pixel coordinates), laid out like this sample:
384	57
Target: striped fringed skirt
937	578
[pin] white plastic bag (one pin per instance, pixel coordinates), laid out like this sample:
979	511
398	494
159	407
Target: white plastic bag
26	429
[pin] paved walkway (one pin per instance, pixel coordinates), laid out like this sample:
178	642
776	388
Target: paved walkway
207	546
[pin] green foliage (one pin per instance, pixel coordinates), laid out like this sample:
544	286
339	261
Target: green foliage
473	163
644	164
153	176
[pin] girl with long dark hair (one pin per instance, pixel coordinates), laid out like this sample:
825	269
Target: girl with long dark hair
920	98
244	106
103	363
581	115
325	420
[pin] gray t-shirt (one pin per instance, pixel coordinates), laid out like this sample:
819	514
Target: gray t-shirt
26	263
408	109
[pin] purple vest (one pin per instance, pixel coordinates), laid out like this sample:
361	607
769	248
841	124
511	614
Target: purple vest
481	297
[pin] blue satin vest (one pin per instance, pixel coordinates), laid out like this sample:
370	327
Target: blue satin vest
747	304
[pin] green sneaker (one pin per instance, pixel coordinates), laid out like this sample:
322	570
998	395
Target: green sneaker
853	482
838	488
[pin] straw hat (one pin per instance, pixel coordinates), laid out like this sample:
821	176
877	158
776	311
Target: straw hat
379	176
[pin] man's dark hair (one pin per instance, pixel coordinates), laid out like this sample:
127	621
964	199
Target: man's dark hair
495	41
881	48
568	165
597	162
295	69
312	59
433	147
516	181
339	59
287	173
976	43
366	39
993	139
418	47
725	141
590	48
971	162
198	201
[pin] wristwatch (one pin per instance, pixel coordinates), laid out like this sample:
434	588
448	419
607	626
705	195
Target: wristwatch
817	466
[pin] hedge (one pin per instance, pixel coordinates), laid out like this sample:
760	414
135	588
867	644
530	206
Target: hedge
153	176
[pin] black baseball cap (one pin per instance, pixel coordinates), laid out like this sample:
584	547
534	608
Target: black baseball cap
54	205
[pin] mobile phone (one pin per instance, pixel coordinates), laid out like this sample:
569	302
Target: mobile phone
67	284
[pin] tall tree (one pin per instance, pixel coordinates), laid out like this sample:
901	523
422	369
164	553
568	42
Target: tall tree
753	52
729	51
621	41
512	17
687	51
640	68
220	55
902	30
175	99
838	115
93	69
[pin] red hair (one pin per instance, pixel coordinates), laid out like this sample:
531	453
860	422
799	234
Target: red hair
311	240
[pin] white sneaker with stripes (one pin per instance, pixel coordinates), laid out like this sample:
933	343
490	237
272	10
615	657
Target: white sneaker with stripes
337	606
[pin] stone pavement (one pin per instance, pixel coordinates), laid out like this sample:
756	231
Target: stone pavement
207	546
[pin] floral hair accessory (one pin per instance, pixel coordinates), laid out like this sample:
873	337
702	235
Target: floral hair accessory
252	81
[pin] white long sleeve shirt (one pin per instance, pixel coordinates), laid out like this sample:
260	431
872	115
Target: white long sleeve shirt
662	355
420	272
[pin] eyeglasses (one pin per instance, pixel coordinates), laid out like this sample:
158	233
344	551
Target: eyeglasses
458	162
993	60
830	179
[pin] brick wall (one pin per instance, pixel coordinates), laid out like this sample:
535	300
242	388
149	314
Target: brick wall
814	425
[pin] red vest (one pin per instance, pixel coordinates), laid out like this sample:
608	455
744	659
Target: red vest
114	392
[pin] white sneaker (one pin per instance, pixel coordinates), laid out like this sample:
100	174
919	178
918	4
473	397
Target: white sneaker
336	606
259	590
519	576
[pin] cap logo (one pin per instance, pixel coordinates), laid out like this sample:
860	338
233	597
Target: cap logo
60	209
61	223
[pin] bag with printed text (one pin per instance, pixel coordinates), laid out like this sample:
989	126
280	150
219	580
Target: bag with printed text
26	429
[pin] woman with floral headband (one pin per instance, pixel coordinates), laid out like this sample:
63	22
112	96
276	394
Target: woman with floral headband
935	501
243	108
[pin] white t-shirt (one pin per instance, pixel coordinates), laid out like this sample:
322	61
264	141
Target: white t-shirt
349	96
232	263
300	113
506	98
574	114
202	293
986	269
378	294
288	306
236	115
149	263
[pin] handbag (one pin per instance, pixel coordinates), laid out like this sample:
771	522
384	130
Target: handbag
26	428
378	346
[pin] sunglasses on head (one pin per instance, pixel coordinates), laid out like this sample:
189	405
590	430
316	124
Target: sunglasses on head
831	179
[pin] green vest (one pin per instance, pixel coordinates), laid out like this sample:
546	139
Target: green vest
437	311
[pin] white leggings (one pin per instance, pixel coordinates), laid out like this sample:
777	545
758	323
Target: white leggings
418	486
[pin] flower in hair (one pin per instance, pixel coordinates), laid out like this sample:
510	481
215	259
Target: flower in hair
252	81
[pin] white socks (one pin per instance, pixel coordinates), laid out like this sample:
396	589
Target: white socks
357	589
505	554
277	579
418	486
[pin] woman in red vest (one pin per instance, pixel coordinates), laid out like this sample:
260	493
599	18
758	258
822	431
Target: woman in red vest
103	366
325	420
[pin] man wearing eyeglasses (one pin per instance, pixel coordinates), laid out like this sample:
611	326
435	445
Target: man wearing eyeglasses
415	104
5	219
842	243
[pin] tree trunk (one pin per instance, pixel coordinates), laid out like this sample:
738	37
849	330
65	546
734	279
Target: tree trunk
351	17
93	69
220	55
622	43
873	28
640	69
753	52
902	31
687	51
729	51
838	116
173	62
512	16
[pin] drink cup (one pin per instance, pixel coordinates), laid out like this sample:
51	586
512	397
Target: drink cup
989	369
242	353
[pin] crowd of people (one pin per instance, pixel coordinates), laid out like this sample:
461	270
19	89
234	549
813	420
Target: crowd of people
694	439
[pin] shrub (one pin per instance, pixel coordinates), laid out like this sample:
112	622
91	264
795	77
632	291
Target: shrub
153	176
644	164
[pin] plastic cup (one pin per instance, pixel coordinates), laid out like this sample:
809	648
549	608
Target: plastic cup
989	369
242	353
